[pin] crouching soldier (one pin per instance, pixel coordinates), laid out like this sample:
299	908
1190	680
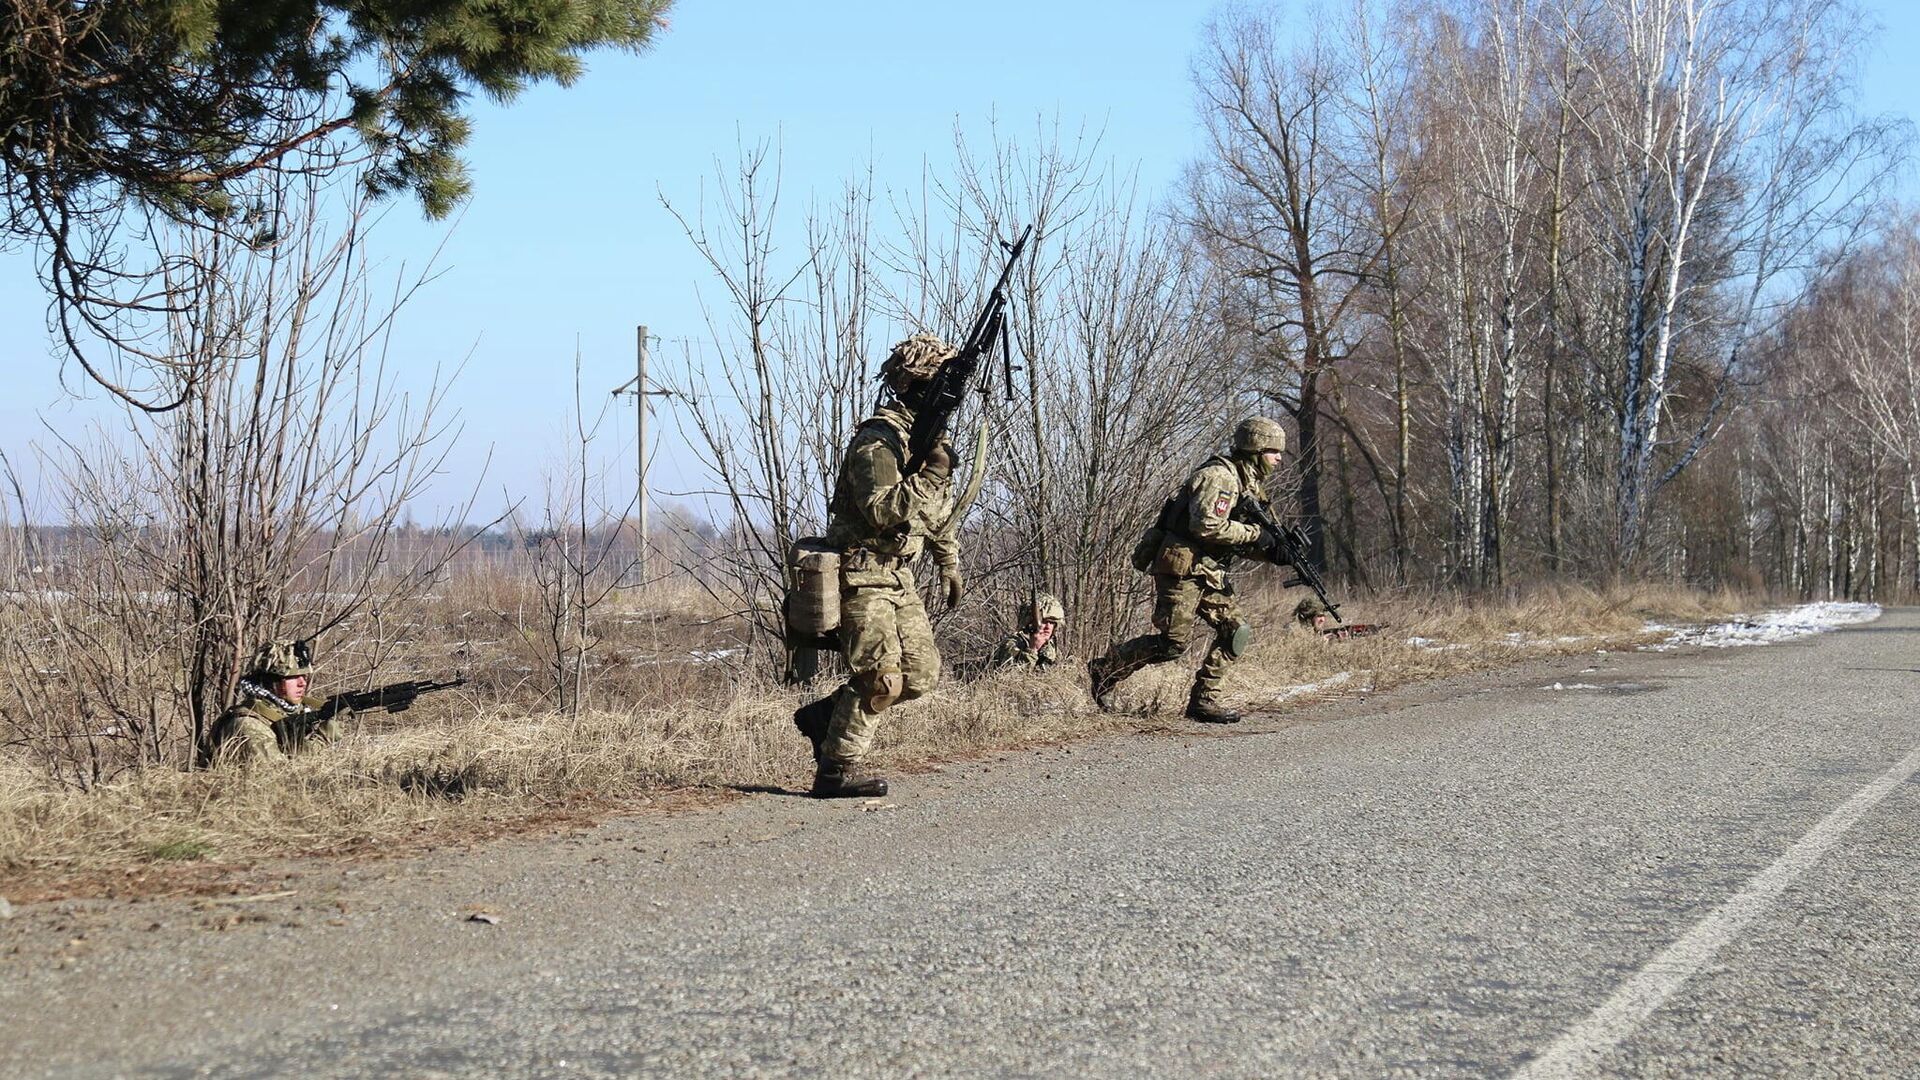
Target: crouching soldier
274	716
1032	646
881	518
1197	539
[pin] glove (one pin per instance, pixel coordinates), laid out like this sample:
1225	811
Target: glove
1272	551
950	581
939	462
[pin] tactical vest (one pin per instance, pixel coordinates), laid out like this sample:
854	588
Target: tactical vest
1173	526
847	527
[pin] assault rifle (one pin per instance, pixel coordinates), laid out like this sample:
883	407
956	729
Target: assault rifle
949	385
1283	545
393	697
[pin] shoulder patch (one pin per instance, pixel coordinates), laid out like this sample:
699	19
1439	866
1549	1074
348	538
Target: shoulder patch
1222	504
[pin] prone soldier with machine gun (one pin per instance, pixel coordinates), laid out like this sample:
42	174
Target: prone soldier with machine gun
892	499
275	717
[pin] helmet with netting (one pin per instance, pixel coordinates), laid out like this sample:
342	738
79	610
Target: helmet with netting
283	659
914	359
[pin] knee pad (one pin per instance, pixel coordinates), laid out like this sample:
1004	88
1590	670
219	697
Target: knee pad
1166	649
879	689
1237	640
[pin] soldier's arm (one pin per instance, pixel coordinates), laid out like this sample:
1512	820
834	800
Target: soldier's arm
1211	509
887	499
944	545
1003	655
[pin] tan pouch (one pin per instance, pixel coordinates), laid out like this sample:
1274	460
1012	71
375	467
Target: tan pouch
813	602
1175	559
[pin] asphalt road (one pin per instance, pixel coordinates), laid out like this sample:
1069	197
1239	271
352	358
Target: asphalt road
1703	865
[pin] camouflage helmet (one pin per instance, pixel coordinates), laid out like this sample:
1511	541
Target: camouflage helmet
1256	434
1042	607
284	659
1307	610
916	358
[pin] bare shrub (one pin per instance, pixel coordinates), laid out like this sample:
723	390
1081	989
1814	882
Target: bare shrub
265	505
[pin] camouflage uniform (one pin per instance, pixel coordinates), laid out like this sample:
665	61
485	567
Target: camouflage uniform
1190	570
882	519
263	726
1017	648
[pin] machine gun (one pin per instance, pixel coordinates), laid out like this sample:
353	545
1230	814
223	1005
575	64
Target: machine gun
1280	545
393	697
949	385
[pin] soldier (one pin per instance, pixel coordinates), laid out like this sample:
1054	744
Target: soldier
1312	614
1197	542
881	517
274	717
1032	646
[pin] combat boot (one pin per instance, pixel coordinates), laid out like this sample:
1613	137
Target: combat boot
812	720
1205	710
842	782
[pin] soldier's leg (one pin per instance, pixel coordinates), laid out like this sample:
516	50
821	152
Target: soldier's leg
870	638
919	657
1231	636
1174	601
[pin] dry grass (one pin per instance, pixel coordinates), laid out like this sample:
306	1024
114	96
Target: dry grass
453	768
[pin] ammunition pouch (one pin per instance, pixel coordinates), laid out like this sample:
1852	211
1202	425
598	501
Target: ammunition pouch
1175	559
812	604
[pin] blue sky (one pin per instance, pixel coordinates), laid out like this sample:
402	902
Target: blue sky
565	240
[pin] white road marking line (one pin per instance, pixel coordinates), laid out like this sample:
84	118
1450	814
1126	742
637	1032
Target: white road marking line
1580	1051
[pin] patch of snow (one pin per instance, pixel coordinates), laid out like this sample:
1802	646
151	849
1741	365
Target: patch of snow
712	656
1572	686
1434	646
1785	624
1328	683
1518	638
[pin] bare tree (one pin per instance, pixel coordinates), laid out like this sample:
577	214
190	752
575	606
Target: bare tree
1734	161
1274	206
263	506
772	400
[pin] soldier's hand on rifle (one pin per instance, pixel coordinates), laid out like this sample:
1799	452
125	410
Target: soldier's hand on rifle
939	463
950	581
1272	550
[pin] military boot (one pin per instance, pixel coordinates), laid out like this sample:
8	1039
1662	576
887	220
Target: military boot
812	720
1204	710
832	781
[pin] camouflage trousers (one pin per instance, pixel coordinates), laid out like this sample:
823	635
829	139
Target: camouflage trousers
1177	603
888	643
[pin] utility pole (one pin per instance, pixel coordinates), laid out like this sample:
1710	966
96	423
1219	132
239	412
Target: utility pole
640	390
